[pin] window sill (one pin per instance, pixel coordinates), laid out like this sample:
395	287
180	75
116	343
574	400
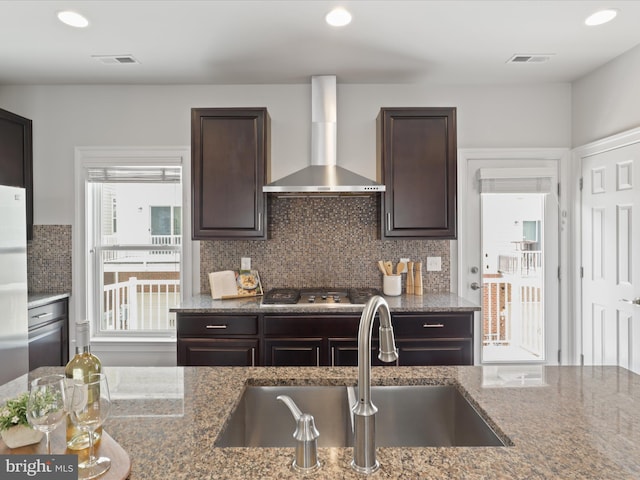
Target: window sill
131	340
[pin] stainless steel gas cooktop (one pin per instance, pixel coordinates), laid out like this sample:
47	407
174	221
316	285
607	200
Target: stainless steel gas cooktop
318	296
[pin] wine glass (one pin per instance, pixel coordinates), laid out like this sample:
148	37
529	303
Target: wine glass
89	408
46	405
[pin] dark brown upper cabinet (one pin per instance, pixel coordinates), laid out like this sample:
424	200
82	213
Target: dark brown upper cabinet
229	157
16	158
417	156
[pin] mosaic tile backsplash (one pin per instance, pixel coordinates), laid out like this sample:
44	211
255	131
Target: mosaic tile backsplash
320	241
49	259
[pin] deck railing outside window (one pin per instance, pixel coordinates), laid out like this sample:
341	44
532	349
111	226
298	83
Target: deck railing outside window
140	305
513	312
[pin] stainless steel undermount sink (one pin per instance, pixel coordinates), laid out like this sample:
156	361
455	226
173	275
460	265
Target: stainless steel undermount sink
408	416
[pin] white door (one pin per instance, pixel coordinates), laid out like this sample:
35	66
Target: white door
472	254
611	266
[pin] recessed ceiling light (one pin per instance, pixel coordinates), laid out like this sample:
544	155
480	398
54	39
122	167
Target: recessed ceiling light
73	19
601	16
338	17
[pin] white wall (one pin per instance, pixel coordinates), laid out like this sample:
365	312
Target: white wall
607	100
85	115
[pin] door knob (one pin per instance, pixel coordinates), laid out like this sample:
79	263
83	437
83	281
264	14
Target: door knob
475	286
635	301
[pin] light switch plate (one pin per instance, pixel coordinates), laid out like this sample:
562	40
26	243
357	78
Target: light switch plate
245	263
434	264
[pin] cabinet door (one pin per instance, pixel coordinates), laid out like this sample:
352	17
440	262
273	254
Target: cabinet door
229	149
217	352
16	162
344	353
435	352
294	352
48	345
417	149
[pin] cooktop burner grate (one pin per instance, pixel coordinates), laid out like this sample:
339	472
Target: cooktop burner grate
281	296
310	296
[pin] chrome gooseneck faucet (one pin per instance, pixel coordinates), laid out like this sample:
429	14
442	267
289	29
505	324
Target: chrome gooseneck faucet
364	447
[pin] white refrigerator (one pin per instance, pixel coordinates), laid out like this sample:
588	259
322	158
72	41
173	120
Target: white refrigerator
14	323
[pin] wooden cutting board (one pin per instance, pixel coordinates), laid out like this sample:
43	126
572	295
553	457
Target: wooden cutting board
107	447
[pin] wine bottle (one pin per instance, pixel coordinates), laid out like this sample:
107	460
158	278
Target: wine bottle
79	368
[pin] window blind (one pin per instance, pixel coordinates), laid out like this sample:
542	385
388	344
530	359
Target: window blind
116	174
516	180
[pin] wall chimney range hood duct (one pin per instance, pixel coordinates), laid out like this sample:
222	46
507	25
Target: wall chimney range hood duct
323	176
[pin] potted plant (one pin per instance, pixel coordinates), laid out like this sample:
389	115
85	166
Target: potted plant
14	427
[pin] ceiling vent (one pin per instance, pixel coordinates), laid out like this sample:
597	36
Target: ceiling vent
535	58
116	59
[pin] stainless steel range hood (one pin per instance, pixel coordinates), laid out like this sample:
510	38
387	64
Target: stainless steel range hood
324	176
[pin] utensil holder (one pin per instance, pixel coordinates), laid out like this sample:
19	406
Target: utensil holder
392	285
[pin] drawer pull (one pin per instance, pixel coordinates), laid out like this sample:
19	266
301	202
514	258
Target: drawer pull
433	325
44	315
216	327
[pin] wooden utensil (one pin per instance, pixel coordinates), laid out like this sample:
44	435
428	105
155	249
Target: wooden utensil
399	268
381	267
410	278
388	268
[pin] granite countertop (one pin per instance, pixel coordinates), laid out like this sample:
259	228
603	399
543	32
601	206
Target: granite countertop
429	302
37	299
563	423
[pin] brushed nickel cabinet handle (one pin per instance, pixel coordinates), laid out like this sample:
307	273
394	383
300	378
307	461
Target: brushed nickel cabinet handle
333	356
216	327
253	356
433	325
388	220
317	356
44	315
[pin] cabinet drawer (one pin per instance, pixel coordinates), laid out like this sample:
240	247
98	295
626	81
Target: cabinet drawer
217	325
440	325
311	325
47	313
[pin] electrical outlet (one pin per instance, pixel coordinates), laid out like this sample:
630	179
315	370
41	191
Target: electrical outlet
434	264
405	261
245	263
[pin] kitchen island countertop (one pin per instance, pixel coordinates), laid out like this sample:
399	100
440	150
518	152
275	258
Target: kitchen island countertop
563	423
429	302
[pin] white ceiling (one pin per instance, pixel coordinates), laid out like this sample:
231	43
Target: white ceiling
269	41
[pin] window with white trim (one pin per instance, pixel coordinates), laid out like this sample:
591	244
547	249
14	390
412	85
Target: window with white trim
134	272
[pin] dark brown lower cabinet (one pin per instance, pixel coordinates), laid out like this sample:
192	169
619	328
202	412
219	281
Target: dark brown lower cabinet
218	340
48	334
442	338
